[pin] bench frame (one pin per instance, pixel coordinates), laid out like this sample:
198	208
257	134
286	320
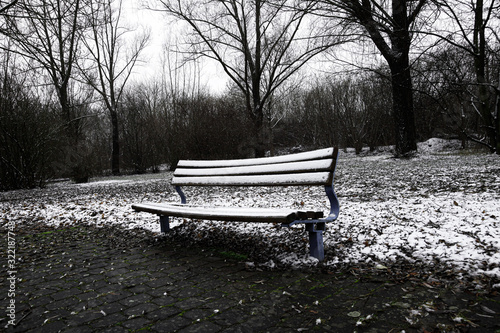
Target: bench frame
314	222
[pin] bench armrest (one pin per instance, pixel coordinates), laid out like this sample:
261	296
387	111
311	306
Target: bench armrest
334	202
181	194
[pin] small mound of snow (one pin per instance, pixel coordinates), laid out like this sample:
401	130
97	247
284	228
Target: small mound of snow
296	262
436	145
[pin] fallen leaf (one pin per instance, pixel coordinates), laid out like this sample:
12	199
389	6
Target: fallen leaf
488	310
427	285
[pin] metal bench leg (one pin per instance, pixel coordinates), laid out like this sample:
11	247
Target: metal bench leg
164	224
316	248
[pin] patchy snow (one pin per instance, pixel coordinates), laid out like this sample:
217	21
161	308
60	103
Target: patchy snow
436	145
305	156
291	178
105	182
439	209
324	164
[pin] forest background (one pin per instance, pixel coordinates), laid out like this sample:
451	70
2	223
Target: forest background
77	98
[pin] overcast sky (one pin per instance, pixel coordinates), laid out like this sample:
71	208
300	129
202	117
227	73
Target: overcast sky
164	30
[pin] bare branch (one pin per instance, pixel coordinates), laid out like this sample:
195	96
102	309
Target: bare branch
6	7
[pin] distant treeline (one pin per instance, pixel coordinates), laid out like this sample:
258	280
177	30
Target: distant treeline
158	126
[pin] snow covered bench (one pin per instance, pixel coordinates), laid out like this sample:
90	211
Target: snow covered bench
309	168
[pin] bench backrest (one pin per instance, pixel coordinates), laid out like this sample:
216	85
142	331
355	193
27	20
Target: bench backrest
310	168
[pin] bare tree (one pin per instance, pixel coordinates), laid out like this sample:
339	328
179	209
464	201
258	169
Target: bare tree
473	26
390	25
259	45
47	33
110	62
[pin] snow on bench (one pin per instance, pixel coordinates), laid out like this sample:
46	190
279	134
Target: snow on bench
310	168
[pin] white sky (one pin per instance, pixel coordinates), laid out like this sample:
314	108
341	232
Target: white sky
164	29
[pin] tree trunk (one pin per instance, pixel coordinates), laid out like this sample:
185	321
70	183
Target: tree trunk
67	116
261	136
479	46
402	107
402	93
115	153
497	120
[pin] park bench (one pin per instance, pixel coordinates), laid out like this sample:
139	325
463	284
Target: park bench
307	168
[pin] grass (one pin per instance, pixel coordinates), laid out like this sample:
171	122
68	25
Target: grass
233	255
45	233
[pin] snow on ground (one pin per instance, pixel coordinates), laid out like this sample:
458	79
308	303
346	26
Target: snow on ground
441	208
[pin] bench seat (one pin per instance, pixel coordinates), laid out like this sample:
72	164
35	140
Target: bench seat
237	214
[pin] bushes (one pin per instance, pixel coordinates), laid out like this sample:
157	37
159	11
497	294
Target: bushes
349	112
29	132
37	145
160	128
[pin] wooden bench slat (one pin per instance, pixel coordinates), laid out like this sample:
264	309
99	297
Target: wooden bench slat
306	156
294	167
315	178
220	213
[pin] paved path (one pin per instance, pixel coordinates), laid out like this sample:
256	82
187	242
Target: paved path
74	280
